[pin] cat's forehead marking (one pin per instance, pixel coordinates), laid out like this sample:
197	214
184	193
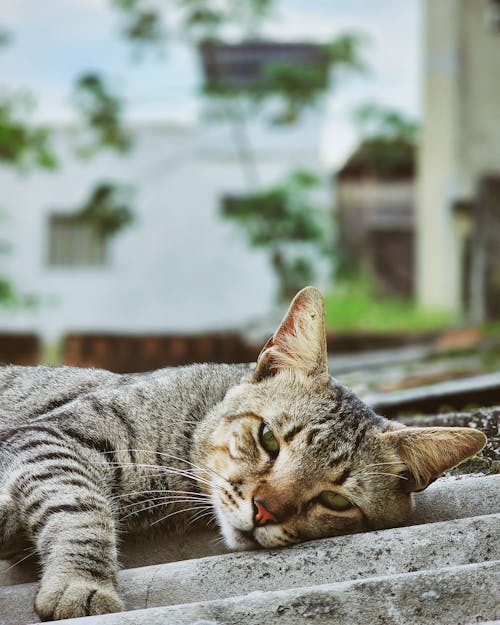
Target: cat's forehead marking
343	476
292	432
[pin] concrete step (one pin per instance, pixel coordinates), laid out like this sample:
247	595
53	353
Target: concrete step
447	498
387	552
448	596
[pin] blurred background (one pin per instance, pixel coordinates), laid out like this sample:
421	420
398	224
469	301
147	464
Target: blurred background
173	171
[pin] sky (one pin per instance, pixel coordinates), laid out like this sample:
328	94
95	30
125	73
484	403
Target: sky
56	40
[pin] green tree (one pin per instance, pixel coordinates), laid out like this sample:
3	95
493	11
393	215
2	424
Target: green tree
388	143
287	222
147	25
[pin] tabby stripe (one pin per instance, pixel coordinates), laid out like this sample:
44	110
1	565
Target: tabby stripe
88	484
312	434
96	404
53	404
339	458
345	474
94	573
122	417
54	455
33	479
359	437
31	444
89	601
55	488
104	447
62	508
12	433
97	561
288	436
95	543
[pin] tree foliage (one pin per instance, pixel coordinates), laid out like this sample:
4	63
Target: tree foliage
22	144
108	208
274	218
150	23
297	86
287	222
101	112
387	149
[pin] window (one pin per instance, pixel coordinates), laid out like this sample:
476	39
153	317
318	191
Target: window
74	242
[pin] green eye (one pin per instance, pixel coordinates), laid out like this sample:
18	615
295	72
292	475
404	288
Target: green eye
268	441
334	501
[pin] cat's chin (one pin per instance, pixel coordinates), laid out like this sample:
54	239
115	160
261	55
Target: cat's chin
236	539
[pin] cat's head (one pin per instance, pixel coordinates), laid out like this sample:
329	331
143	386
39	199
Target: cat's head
294	455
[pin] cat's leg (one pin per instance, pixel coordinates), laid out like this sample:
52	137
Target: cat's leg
12	539
78	552
64	505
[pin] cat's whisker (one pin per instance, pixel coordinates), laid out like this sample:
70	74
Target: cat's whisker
30	555
376	464
203	468
161	469
165	491
168	500
201	515
174	513
401	477
157	505
217	541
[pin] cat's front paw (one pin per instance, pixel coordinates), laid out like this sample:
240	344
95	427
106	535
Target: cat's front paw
76	598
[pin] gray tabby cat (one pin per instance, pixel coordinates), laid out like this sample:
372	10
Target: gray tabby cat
281	454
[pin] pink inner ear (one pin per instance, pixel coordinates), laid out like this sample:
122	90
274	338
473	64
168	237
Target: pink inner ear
287	327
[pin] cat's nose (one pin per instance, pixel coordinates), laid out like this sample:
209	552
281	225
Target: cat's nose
262	515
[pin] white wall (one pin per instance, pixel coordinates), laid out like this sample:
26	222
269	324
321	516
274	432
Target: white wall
179	267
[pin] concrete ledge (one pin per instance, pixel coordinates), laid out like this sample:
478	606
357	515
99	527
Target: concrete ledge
457	498
449	596
387	552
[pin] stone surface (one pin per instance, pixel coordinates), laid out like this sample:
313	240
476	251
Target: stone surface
428	546
450	596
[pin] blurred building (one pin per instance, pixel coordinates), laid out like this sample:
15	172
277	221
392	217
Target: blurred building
459	189
179	267
375	209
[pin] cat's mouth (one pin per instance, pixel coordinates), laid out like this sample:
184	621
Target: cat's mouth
249	536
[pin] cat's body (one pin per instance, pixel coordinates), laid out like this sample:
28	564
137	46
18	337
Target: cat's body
279	454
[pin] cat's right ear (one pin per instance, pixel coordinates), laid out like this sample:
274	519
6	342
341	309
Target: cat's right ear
428	451
300	341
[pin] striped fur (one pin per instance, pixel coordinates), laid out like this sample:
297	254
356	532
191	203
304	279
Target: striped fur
86	454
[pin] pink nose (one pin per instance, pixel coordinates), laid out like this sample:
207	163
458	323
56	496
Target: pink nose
262	514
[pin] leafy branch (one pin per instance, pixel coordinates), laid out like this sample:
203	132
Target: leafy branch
101	111
286	221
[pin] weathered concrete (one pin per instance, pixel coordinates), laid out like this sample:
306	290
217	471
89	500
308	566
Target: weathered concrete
457	498
447	498
387	552
450	596
483	390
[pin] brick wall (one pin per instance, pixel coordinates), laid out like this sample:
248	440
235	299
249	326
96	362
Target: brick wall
127	353
19	349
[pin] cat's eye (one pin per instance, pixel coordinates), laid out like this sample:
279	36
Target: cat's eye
268	441
334	501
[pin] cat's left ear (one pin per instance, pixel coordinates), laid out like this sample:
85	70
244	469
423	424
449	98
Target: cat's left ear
300	341
429	451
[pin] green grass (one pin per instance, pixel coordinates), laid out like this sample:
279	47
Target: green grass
352	307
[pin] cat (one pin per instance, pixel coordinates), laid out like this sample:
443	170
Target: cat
280	454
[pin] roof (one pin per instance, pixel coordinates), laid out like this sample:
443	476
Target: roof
380	158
